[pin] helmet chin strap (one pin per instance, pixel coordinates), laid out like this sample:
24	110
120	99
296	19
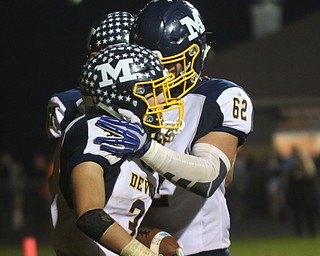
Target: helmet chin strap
167	135
206	50
120	113
109	110
173	123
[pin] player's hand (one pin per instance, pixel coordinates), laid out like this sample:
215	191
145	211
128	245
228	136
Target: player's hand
179	252
128	138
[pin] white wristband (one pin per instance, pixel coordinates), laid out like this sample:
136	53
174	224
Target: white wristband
135	248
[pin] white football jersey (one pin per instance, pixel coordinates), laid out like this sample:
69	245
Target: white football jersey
198	223
129	190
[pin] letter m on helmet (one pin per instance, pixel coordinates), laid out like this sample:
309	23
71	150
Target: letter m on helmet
195	25
110	75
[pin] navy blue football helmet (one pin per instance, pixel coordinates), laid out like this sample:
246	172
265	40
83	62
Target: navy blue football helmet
130	77
113	28
174	29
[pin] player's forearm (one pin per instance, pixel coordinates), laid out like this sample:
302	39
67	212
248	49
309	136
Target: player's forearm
115	238
201	172
119	241
102	228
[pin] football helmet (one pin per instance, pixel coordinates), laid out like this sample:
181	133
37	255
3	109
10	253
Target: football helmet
175	30
131	77
112	28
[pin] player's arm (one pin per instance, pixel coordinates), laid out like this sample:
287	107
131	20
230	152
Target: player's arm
228	144
211	157
229	177
88	190
201	172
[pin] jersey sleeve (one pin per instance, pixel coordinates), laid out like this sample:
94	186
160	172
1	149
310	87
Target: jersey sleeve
78	146
226	108
62	108
237	112
55	115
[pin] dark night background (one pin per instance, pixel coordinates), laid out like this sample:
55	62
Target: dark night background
43	45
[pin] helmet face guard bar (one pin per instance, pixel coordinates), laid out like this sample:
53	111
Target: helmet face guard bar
154	116
188	76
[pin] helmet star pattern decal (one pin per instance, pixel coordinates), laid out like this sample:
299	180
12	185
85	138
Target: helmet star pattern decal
141	59
114	28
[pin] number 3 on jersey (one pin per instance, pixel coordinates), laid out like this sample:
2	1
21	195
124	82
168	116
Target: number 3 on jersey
137	205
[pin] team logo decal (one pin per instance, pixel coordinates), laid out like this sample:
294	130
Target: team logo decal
107	72
115	65
195	26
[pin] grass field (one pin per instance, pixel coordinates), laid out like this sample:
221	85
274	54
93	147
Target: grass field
276	247
240	247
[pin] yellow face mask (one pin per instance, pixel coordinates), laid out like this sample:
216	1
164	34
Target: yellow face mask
187	77
163	111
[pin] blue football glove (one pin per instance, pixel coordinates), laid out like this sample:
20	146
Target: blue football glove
127	138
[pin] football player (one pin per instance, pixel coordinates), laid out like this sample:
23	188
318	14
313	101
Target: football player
64	107
218	119
101	199
112	29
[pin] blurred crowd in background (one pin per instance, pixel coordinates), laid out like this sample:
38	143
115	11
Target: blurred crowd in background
270	197
276	196
24	198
